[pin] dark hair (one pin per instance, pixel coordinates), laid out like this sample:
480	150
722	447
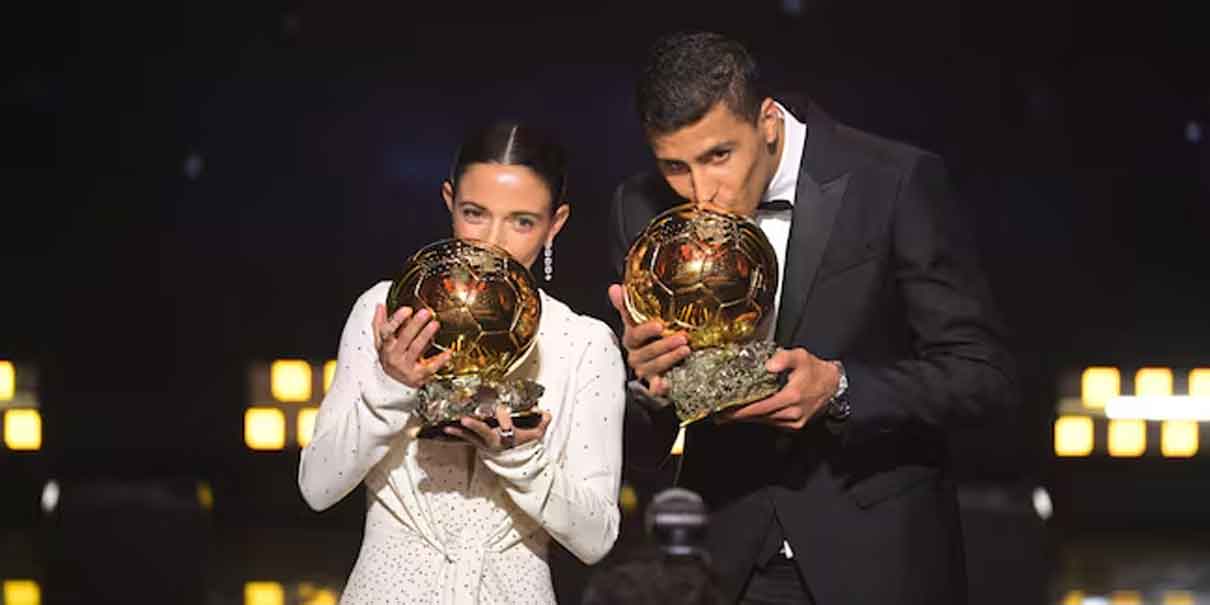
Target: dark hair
514	144
687	74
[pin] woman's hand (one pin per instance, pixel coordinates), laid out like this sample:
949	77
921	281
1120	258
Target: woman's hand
401	341
504	437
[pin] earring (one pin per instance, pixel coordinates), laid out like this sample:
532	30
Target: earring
550	262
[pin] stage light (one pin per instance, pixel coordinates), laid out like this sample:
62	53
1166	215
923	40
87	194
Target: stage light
50	496
1126	597
1199	382
1073	597
310	594
23	429
205	495
1043	505
1098	384
678	446
1179	438
290	380
8	381
264	428
1127	438
628	498
22	592
1153	382
1159	407
1073	436
1178	597
329	374
264	593
306	425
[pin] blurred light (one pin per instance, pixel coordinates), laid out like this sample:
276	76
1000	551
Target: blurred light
1178	597
23	429
193	166
1042	504
628	498
22	592
1095	601
1193	131
1199	382
306	425
1127	438
1073	597
1150	382
8	381
1073	436
1178	438
50	496
1171	407
792	8
678	446
264	428
329	374
1098	384
290	380
205	495
1126	597
264	593
317	596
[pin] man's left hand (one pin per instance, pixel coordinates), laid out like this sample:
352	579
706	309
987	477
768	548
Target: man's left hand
811	383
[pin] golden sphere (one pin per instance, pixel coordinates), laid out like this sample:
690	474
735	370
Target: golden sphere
487	304
706	272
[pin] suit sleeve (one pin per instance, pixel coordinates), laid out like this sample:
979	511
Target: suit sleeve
960	371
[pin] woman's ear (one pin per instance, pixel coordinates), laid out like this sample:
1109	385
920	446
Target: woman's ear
447	194
560	219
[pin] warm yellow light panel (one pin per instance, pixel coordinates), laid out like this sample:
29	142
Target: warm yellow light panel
1126	597
23	429
1098	384
1179	597
306	425
1073	597
264	428
329	374
323	596
1073	436
22	592
1153	382
1127	438
678	446
264	593
1179	438
8	381
205	495
1199	382
290	380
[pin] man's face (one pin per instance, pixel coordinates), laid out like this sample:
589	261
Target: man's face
722	160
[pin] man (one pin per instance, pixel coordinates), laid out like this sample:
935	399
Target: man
833	490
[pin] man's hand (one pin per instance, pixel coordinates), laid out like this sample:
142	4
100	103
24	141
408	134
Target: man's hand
647	353
812	382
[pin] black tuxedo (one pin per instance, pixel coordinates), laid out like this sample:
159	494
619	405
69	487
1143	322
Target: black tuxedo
881	274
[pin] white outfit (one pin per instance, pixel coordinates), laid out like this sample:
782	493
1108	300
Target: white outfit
446	522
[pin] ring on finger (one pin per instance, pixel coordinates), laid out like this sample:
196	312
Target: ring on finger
508	437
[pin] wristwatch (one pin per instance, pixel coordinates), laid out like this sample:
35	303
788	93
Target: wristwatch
838	408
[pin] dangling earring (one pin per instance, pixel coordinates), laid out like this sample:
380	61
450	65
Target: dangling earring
550	262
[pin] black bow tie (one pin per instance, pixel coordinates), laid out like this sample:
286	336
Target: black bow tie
775	206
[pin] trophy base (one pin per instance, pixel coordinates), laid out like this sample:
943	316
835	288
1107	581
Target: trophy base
443	401
714	379
525	420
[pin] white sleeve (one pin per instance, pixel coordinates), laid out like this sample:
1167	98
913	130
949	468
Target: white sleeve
576	497
362	412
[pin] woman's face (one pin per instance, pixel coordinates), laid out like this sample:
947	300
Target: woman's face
504	205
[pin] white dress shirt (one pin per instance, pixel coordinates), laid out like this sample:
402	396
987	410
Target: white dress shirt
447	523
784	186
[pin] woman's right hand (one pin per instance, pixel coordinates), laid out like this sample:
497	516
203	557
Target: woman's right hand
401	341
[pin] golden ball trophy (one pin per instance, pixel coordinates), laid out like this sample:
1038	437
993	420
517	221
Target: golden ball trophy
712	275
488	306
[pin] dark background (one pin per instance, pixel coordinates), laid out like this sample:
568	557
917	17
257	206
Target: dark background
143	290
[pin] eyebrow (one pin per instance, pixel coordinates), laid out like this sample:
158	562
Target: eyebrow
517	213
723	146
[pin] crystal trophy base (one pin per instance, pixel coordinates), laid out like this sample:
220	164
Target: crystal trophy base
714	379
443	401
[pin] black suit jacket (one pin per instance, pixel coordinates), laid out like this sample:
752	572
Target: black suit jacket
881	274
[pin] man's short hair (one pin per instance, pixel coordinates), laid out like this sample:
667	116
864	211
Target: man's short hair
687	74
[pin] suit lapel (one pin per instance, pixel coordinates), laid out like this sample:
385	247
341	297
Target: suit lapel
815	210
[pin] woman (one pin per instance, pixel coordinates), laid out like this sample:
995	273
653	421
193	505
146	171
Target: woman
469	520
